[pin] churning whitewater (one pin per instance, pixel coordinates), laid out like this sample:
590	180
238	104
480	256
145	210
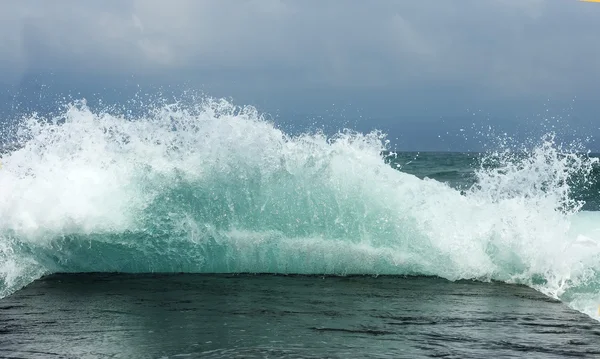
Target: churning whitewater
216	188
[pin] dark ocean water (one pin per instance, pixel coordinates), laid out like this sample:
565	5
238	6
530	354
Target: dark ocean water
265	316
363	253
459	171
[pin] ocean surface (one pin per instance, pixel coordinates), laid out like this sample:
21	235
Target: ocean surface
267	316
290	245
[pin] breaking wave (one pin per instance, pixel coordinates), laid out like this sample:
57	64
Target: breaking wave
216	188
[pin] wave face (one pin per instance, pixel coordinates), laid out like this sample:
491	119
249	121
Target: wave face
216	188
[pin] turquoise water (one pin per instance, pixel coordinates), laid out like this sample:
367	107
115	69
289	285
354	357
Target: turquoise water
217	189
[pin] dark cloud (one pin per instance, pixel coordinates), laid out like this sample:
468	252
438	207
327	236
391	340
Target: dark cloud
506	46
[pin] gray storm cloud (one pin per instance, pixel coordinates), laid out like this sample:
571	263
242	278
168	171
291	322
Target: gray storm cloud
508	45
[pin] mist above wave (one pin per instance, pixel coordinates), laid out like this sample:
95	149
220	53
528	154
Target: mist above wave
217	188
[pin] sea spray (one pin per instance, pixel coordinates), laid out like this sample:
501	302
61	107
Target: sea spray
216	188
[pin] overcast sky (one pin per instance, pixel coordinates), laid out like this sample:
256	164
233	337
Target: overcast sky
492	49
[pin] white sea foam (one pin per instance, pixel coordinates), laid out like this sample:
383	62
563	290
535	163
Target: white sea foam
216	188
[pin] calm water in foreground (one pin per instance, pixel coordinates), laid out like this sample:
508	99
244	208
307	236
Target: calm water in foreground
266	316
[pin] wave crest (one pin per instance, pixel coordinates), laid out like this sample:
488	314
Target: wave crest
217	188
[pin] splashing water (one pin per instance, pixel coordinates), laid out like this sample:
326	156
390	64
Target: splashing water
215	188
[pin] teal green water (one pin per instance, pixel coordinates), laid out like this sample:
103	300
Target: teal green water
217	189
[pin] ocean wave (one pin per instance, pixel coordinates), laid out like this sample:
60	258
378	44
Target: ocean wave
216	188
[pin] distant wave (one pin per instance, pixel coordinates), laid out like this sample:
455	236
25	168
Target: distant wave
215	188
